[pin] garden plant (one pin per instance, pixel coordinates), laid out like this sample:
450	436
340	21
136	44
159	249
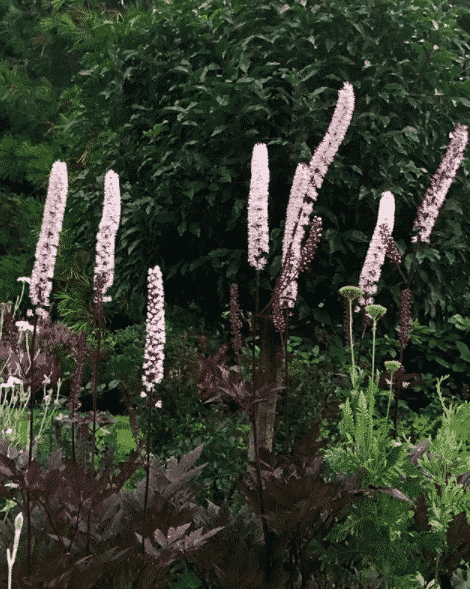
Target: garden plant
307	513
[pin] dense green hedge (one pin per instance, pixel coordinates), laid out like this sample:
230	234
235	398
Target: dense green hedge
174	102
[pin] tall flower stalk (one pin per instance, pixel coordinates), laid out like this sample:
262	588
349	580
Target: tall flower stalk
307	180
46	249
376	254
154	344
104	269
306	183
40	286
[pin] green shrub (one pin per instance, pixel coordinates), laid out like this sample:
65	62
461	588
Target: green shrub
180	129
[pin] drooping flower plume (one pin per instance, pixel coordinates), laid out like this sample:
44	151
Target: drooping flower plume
440	183
307	181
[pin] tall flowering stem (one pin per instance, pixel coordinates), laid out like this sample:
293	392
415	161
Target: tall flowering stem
258	245
46	249
104	268
304	193
307	180
153	355
107	234
40	286
104	273
434	196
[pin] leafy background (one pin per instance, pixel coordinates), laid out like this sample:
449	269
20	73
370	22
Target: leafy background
173	97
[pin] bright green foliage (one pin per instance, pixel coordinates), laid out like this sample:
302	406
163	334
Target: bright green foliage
19	233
